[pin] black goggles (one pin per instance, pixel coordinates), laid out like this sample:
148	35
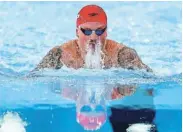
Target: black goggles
88	32
87	108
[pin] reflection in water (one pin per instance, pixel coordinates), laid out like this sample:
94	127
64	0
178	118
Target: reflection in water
134	105
90	103
91	110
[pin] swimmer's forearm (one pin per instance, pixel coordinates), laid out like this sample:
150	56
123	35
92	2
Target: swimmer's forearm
147	68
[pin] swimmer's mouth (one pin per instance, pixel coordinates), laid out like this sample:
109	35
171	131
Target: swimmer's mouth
92	46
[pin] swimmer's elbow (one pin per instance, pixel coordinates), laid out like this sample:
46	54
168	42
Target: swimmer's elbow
149	70
145	67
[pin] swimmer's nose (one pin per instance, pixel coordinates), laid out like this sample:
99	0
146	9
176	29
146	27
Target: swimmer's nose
93	36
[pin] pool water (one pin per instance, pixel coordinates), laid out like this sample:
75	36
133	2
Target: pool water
75	100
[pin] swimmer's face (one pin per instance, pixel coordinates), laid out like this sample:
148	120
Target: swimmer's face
92	38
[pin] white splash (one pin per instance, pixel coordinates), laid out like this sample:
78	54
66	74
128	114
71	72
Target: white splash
93	58
11	122
139	127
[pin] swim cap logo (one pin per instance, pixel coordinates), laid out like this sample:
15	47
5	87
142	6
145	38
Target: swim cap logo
78	16
93	14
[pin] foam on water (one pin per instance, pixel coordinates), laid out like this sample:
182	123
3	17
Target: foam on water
139	128
12	122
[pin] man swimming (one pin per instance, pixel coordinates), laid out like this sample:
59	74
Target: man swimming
92	49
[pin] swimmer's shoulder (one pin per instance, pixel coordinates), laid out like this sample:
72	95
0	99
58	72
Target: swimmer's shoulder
116	47
64	48
69	45
112	45
70	48
127	57
53	59
71	56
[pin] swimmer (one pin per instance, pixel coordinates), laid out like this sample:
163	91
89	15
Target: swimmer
92	49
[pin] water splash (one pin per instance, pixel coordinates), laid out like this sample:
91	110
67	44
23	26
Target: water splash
140	127
93	57
11	122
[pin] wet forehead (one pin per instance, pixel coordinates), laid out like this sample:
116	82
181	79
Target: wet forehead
93	25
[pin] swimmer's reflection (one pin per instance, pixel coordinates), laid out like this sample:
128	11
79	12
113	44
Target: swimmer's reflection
91	109
90	105
91	102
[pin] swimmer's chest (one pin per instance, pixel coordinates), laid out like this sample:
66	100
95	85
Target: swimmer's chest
71	57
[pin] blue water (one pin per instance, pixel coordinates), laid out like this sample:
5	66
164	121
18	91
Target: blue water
29	30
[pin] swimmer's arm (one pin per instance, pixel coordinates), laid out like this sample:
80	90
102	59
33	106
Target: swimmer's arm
120	91
128	58
51	60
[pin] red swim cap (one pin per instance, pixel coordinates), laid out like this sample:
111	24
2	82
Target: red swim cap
90	121
91	13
